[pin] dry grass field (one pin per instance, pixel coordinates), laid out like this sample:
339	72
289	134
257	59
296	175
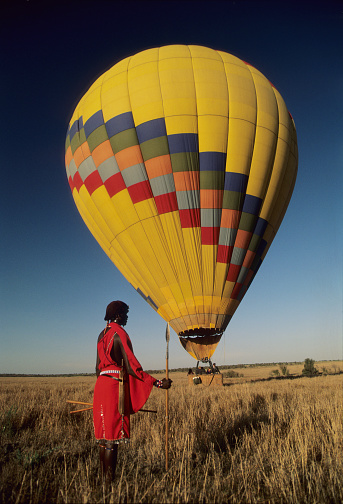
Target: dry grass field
256	439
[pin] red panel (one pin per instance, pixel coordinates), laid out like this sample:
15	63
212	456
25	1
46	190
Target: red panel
115	184
243	239
166	203
233	272
190	218
140	192
224	254
78	182
236	291
93	182
71	183
249	257
210	235
249	277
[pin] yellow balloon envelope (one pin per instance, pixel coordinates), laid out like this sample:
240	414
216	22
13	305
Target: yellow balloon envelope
182	161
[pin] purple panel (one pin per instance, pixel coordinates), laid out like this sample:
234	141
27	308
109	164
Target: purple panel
261	226
74	129
235	182
94	122
151	129
119	123
252	204
212	161
183	142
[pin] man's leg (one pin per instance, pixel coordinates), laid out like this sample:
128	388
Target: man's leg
110	459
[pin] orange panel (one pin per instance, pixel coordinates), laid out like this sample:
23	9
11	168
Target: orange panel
186	181
129	157
102	152
85	150
248	259
243	239
158	166
211	198
230	218
68	156
79	156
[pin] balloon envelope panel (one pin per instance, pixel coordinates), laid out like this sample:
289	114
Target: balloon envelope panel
182	161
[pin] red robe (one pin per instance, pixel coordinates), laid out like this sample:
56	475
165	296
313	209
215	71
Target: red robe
109	424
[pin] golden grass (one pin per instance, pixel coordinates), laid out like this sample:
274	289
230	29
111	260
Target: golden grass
251	441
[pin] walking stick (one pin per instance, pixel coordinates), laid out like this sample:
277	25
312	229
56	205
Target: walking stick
91	404
167	359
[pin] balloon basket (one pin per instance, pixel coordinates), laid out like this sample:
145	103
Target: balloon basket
207	380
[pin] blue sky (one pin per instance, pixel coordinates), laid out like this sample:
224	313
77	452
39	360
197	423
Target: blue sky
55	279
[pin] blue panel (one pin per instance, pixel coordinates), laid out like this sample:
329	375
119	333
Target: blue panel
151	129
252	204
119	123
212	161
235	182
261	226
147	299
74	129
80	123
94	122
261	248
183	142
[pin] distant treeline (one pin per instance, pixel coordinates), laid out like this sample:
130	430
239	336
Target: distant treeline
159	371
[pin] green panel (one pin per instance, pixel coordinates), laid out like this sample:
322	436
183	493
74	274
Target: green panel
82	136
97	137
123	140
247	222
75	142
233	200
154	148
212	180
185	161
67	144
254	243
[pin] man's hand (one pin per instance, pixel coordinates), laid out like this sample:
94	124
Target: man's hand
166	383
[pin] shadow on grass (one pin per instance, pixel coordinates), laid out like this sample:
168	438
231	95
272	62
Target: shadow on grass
278	378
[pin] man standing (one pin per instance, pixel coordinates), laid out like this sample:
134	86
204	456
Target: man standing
121	389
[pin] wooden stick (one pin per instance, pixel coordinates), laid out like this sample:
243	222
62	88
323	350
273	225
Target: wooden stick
167	390
90	404
78	411
80	402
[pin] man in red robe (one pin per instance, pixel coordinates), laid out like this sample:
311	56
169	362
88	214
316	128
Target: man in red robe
121	389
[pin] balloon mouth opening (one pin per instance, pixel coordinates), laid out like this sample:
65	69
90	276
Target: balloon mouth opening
200	333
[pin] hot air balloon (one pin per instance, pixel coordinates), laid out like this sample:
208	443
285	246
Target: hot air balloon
182	161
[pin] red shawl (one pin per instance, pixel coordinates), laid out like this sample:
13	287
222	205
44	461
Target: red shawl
140	383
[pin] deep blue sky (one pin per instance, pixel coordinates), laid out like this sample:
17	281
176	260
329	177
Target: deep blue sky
55	279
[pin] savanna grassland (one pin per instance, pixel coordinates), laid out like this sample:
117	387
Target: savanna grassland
256	439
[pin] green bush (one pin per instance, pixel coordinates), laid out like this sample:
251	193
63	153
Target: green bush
309	368
284	370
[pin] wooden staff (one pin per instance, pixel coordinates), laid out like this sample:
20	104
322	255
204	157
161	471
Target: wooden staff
78	410
79	402
121	397
90	404
167	390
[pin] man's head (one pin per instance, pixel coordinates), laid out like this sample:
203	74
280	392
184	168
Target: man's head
117	312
